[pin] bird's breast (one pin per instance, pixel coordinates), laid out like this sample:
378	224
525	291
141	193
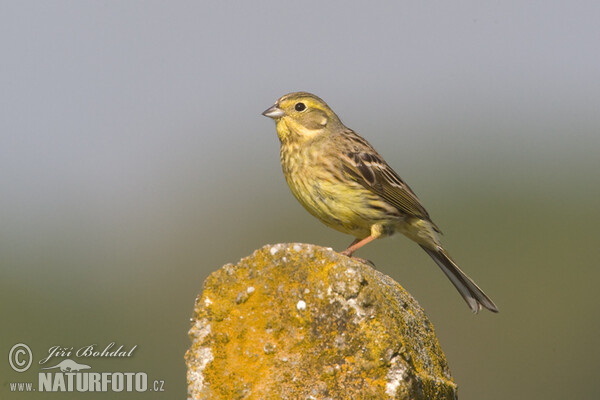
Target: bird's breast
318	183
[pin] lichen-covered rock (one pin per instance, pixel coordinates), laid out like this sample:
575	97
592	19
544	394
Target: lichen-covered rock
296	321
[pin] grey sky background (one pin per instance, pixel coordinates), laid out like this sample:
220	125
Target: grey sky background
134	161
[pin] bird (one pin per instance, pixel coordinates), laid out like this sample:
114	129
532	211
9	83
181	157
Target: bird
344	182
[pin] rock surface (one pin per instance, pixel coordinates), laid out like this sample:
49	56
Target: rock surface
297	321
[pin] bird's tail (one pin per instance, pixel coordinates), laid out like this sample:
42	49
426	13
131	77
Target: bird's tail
474	296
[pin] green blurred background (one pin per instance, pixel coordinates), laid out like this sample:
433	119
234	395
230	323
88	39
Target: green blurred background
134	161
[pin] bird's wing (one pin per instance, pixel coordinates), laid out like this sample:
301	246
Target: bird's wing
363	164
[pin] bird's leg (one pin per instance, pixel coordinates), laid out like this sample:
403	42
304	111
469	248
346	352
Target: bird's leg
357	244
376	231
354	246
351	244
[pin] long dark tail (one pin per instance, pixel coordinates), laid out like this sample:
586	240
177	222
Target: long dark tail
474	296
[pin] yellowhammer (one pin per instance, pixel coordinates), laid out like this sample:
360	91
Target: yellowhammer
340	179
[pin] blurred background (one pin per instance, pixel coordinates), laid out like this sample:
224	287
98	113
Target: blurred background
134	161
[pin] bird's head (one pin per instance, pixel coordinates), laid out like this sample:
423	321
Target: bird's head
301	116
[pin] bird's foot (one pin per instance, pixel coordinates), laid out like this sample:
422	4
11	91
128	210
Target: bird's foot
362	260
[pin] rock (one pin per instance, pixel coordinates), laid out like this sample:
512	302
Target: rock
297	321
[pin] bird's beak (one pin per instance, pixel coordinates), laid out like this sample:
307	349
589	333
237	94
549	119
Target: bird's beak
273	112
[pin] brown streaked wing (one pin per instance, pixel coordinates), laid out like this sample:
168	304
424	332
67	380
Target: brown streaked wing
369	169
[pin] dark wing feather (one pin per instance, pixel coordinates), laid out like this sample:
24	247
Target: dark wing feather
369	169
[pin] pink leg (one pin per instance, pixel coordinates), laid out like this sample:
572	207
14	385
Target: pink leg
357	244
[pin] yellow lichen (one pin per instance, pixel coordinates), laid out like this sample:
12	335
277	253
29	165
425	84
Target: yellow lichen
352	325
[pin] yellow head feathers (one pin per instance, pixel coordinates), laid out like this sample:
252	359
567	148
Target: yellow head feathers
301	116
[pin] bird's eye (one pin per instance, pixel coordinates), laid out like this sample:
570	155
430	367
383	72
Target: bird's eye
300	107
